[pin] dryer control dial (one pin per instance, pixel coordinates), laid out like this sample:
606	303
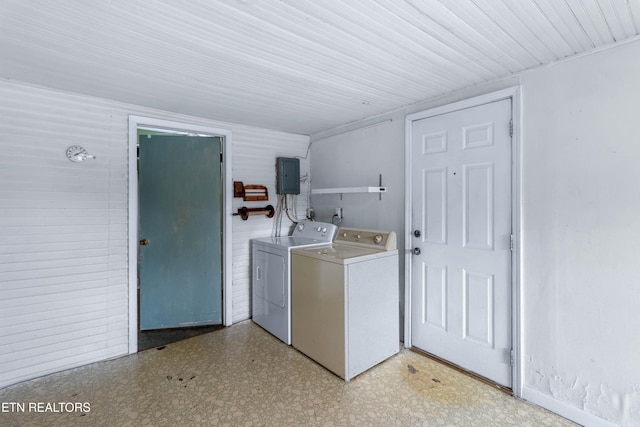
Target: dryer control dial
377	239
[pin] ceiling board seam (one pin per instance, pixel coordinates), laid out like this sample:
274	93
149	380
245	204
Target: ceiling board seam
497	42
442	77
537	6
533	33
579	23
443	40
396	75
505	32
633	17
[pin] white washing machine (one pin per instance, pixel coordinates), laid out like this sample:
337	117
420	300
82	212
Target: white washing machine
271	274
345	301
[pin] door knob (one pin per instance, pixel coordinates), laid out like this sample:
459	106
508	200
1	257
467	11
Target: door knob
417	251
417	233
144	242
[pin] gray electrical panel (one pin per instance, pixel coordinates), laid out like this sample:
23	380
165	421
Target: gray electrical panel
288	175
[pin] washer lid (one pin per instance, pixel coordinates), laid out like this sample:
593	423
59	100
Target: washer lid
344	254
288	242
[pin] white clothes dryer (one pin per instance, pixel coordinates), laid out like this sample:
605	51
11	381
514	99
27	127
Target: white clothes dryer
345	297
271	274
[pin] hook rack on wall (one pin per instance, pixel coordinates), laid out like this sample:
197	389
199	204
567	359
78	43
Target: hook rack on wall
245	212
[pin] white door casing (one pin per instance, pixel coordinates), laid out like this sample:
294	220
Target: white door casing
461	282
136	122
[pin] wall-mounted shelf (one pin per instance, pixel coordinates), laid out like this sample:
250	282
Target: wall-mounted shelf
344	190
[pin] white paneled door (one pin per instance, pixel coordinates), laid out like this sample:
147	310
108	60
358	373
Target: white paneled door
461	219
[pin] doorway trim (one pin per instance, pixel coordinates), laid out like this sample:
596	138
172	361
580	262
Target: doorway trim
136	122
512	93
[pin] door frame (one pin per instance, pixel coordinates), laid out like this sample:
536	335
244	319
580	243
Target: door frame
512	93
136	122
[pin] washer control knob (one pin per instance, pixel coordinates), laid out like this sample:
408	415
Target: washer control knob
300	227
319	229
344	234
377	239
358	236
324	229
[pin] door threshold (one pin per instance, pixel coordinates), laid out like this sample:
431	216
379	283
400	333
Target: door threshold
504	389
155	338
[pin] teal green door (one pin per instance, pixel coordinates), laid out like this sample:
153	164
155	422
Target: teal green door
180	206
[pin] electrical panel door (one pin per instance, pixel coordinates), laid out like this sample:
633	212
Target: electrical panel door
288	175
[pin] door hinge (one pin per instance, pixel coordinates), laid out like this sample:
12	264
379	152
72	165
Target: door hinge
511	127
221	157
511	357
511	242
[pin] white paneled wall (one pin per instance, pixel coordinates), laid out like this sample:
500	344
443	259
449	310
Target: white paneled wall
254	160
63	226
63	234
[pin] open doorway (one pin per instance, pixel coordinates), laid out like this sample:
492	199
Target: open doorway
179	231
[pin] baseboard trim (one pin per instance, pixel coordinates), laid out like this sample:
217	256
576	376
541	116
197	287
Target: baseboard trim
570	412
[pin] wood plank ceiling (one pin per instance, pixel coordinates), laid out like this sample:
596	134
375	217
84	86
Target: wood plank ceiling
301	66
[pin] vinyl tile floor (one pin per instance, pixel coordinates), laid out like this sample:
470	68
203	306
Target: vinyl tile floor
243	376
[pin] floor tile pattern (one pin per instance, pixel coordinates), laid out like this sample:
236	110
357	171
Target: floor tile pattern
243	376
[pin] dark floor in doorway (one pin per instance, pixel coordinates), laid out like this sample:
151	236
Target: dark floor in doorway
159	337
